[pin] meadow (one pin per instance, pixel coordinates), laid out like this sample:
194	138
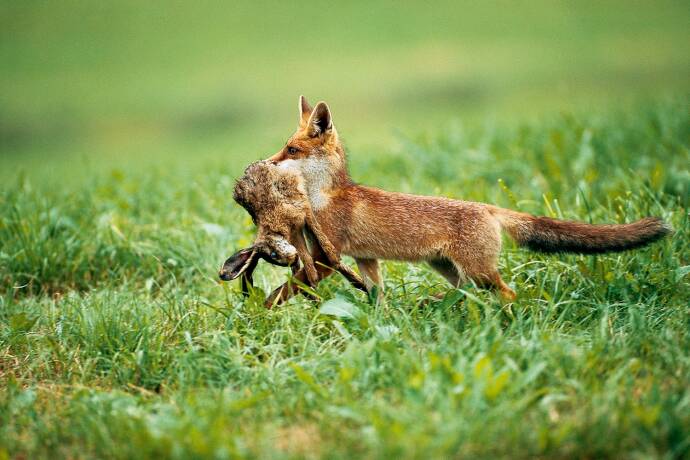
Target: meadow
122	131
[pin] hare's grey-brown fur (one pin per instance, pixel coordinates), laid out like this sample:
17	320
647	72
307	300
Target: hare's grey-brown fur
278	204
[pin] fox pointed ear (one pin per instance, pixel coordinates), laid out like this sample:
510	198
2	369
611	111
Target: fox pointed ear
320	121
237	264
304	110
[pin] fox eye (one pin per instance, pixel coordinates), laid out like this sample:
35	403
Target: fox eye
292	150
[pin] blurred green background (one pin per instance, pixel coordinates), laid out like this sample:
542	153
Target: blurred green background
90	84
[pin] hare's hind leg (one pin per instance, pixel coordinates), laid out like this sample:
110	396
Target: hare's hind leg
352	277
327	248
331	253
304	255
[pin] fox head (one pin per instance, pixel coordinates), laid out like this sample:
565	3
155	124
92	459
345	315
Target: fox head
315	151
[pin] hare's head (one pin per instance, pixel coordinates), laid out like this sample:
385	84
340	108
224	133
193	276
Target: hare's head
272	248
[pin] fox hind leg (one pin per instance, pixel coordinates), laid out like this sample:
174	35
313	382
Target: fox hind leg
505	290
483	271
448	270
494	282
476	257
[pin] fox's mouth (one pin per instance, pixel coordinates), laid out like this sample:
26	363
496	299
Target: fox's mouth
288	164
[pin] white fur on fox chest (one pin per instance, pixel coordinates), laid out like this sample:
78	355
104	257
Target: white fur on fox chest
317	179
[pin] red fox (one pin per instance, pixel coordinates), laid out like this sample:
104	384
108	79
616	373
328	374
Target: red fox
459	239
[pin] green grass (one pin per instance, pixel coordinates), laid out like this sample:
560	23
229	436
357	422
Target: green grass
117	341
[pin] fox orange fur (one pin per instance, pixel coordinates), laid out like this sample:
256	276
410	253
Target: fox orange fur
459	239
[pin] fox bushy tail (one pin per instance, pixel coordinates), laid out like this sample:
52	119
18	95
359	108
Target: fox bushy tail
548	235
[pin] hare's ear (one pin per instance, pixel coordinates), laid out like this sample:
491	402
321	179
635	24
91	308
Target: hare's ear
238	263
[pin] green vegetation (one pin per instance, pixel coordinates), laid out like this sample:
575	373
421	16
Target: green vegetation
122	131
118	341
